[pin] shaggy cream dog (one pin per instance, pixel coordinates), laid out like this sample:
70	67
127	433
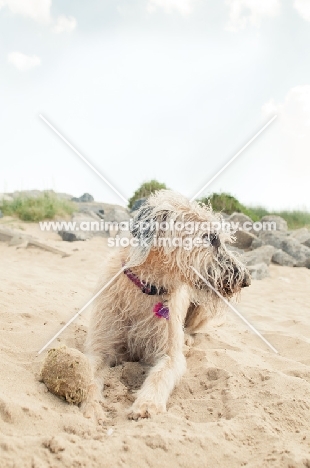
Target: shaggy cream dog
144	313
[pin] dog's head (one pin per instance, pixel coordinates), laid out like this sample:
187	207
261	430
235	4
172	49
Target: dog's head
184	234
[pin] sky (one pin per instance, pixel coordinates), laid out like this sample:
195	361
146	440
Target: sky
157	89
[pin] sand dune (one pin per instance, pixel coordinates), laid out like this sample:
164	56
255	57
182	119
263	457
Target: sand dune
239	403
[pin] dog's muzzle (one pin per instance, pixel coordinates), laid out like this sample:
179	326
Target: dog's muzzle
231	284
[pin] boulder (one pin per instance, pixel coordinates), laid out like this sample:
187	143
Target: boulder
280	223
240	221
85	216
72	236
290	245
274	238
260	255
117	215
258	271
257	242
87	225
232	248
282	258
244	239
300	252
85	198
306	243
302	235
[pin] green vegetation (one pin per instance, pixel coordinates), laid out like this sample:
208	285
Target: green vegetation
146	189
228	204
48	205
45	206
295	219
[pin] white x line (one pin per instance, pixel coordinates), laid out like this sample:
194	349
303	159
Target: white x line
81	310
84	159
233	158
126	201
235	310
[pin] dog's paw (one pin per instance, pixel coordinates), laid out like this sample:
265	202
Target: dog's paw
144	409
93	410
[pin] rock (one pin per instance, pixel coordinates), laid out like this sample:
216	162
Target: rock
137	204
114	218
117	215
72	236
258	271
66	373
260	255
85	216
283	241
244	239
85	198
238	220
87	224
282	258
232	248
300	252
280	223
274	238
302	235
257	242
307	243
100	213
92	209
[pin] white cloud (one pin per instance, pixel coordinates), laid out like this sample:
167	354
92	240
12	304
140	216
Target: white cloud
64	24
303	8
40	11
182	6
22	61
244	12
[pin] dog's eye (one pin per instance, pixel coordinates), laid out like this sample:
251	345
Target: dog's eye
212	238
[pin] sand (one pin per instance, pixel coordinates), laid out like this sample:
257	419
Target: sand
239	403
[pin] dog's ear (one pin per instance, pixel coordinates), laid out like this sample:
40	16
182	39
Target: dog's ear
143	226
145	229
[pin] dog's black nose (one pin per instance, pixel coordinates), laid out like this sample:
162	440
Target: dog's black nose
246	280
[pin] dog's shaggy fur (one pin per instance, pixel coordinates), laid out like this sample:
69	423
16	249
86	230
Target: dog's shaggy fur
123	326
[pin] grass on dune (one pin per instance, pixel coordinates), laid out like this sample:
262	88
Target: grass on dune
228	204
48	205
45	206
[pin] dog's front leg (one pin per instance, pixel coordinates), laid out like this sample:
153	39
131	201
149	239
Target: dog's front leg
153	395
91	406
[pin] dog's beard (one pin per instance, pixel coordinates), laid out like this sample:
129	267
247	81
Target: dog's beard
226	275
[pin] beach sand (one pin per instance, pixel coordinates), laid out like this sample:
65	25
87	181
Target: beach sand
239	403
